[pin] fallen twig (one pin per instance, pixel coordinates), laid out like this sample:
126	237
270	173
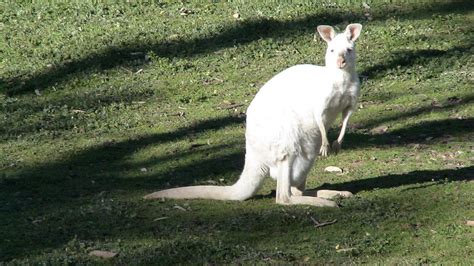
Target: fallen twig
318	224
126	69
181	114
161	218
179	208
196	145
232	106
345	250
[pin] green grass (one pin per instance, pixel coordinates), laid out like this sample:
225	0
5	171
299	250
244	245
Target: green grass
102	104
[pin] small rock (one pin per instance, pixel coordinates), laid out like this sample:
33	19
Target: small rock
103	254
333	169
416	146
470	223
143	169
236	15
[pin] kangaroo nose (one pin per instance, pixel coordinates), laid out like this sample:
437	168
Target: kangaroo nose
341	62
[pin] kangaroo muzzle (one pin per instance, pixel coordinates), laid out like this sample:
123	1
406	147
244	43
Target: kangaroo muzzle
341	62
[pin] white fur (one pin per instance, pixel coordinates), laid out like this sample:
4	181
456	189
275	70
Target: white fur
287	122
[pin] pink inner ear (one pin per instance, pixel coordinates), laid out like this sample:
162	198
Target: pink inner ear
326	33
354	32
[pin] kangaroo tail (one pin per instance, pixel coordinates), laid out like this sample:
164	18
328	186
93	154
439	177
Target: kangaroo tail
247	186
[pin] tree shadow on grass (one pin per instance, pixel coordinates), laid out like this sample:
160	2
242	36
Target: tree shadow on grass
448	105
91	170
406	58
199	235
244	32
397	180
437	131
108	159
128	96
56	187
127	55
121	56
46	206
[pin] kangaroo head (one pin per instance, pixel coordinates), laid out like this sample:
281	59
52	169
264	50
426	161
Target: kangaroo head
341	47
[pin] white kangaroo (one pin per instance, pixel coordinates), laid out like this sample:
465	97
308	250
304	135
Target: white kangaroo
286	126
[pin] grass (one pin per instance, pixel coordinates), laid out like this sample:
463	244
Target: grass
104	103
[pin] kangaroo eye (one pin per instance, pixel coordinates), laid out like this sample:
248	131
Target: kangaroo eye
332	50
349	50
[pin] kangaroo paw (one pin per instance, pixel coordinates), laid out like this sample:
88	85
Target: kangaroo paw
324	150
330	194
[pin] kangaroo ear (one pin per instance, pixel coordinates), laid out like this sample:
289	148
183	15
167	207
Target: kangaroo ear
353	31
326	32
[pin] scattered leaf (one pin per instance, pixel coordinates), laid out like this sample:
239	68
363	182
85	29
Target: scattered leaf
185	11
179	208
436	104
209	81
379	130
368	16
454	100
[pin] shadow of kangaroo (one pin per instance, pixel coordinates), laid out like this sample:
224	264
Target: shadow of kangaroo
286	127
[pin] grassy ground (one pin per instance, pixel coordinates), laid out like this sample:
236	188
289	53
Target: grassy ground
102	104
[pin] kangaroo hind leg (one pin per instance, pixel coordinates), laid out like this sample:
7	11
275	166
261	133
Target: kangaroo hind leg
283	191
